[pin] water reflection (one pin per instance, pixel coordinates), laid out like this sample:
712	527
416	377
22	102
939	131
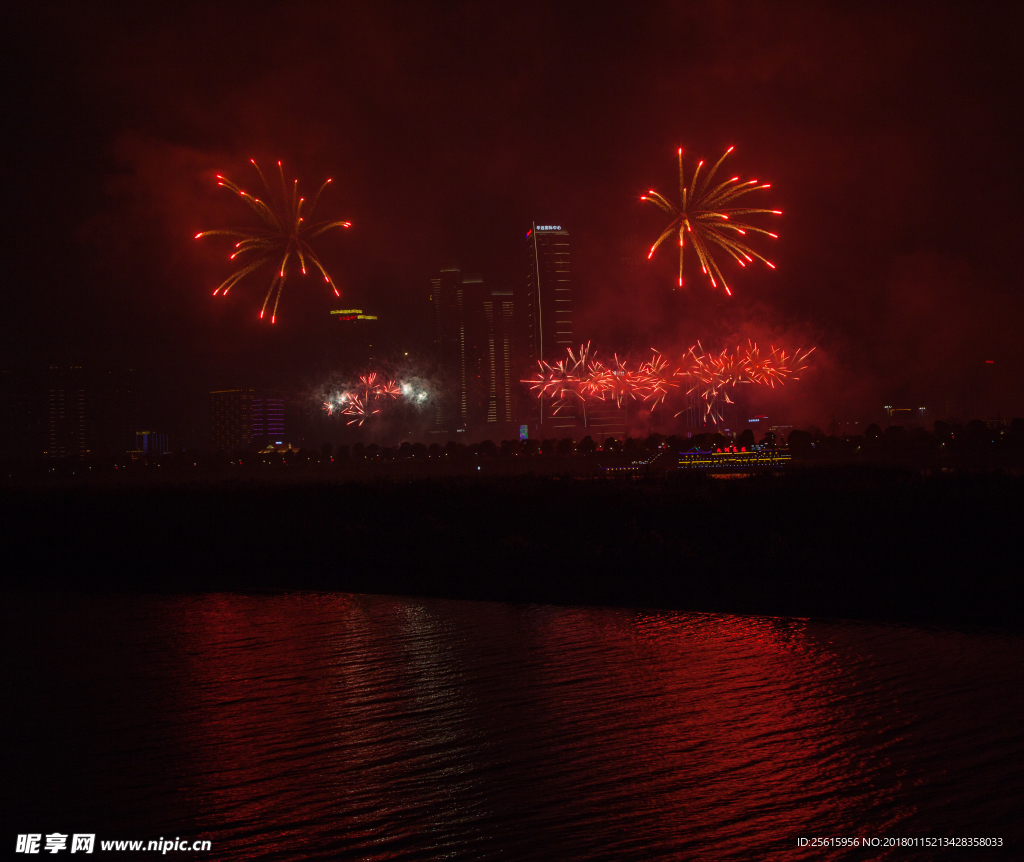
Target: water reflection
333	726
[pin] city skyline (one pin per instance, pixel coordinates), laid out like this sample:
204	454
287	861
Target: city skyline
463	430
906	300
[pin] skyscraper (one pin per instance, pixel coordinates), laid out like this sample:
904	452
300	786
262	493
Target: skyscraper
231	419
547	310
89	412
548	300
65	412
476	352
241	418
498	372
448	298
267	418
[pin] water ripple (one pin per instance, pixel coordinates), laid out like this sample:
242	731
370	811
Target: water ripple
335	726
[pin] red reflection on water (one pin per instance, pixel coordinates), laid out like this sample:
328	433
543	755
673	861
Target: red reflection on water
371	725
738	720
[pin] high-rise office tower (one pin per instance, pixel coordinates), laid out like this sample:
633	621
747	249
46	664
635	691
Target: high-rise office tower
605	419
498	371
267	418
65	412
472	386
240	418
548	300
547	313
476	352
448	299
231	419
89	411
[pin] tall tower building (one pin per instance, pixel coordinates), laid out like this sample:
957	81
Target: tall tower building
89	411
448	299
267	418
548	300
498	371
547	312
476	343
231	419
65	412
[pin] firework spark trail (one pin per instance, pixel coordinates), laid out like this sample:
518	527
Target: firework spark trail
373	393
565	382
548	380
335	403
618	382
706	215
388	388
366	387
657	379
285	236
359	408
712	375
706	376
572	385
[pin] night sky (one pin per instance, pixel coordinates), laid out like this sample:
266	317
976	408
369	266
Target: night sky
890	134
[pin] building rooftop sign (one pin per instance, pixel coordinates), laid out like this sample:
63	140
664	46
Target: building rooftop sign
549	227
352	314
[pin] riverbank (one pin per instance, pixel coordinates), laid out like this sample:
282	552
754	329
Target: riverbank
862	542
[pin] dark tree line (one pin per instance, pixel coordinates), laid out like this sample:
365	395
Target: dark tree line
971	444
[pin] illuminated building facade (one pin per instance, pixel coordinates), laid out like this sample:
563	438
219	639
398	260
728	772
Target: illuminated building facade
231	419
730	460
89	412
476	350
449	302
151	444
267	418
547	308
606	419
498	372
65	413
547	312
244	418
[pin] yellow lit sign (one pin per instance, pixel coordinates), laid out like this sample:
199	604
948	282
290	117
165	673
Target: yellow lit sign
353	314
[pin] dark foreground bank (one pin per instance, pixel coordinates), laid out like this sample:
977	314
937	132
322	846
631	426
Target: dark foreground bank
862	542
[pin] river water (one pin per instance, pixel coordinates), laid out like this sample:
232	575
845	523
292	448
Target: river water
327	726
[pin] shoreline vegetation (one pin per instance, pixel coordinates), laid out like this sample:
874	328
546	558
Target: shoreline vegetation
975	445
872	541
